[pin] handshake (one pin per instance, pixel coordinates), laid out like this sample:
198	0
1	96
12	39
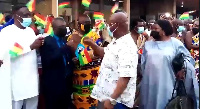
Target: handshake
38	42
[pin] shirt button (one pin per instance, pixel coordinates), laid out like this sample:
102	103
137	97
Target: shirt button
67	62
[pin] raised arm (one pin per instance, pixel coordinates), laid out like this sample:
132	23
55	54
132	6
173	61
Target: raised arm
188	42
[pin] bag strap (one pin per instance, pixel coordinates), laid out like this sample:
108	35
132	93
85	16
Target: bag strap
181	91
174	89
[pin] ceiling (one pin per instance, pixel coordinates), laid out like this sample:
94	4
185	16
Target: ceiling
190	4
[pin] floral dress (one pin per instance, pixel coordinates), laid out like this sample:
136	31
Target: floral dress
195	54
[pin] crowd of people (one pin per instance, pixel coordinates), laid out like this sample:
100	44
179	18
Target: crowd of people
130	65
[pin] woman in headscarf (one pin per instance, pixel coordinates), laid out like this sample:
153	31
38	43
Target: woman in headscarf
158	76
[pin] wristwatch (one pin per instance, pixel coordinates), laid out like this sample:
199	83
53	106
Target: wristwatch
113	101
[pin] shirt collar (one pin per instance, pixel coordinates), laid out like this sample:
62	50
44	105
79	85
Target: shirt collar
56	37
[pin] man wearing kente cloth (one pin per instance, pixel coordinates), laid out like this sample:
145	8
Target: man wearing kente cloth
85	75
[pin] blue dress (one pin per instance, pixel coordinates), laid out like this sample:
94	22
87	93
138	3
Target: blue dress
158	77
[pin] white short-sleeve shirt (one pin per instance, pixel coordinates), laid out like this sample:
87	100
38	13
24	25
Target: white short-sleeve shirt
120	60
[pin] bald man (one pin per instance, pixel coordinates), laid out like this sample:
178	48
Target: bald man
179	29
188	24
116	84
57	67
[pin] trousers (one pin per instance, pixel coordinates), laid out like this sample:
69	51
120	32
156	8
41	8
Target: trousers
117	106
30	103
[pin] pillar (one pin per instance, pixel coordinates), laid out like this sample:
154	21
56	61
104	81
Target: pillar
54	9
126	6
75	9
174	7
101	5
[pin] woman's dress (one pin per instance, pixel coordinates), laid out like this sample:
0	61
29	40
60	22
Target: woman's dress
158	77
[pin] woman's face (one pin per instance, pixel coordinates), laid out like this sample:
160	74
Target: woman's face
157	28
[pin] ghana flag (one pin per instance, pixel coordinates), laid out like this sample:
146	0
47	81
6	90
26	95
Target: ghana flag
31	5
84	57
184	16
100	24
63	5
16	50
48	29
115	7
86	3
2	18
98	15
40	19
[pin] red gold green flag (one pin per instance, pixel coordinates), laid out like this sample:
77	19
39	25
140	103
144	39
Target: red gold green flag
31	5
100	24
86	3
98	15
16	50
63	5
40	19
115	7
84	57
49	29
185	15
2	18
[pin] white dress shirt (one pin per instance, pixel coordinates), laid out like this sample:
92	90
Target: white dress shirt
120	60
24	72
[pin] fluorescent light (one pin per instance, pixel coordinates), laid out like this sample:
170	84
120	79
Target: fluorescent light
121	1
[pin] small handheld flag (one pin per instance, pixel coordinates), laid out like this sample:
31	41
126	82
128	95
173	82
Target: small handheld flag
115	7
31	5
80	48
140	51
40	19
48	28
64	5
86	3
2	18
84	57
98	15
184	16
16	50
100	24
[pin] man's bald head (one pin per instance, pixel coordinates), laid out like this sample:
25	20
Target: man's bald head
58	22
119	17
59	27
119	24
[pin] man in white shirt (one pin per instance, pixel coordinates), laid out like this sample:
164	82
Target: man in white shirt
116	83
17	45
149	26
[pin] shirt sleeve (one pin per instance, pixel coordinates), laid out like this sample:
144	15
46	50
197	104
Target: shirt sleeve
143	60
127	62
4	45
182	49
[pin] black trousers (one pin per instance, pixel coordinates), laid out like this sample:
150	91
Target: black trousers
63	101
